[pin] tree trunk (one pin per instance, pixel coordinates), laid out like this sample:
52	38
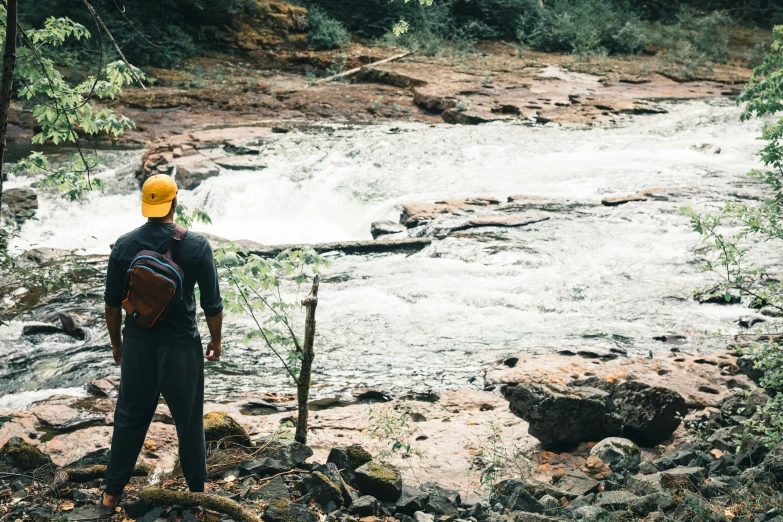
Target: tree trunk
308	354
6	81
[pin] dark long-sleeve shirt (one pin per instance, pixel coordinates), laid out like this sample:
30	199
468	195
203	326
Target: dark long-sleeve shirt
196	260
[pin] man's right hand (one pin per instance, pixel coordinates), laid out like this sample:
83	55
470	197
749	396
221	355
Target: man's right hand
116	352
213	351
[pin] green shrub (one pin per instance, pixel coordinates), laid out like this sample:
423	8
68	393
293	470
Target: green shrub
447	19
693	38
430	29
326	32
171	26
581	27
733	233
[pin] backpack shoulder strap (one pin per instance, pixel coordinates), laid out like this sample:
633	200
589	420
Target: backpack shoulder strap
172	247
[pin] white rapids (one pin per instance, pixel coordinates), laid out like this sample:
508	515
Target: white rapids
592	277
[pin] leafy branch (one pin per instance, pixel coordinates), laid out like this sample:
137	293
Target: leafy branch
255	289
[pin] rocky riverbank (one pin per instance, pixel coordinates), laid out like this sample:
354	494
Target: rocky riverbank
277	86
665	470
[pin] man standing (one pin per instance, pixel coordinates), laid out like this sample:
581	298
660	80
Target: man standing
166	358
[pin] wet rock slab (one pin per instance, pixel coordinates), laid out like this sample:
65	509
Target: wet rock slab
701	379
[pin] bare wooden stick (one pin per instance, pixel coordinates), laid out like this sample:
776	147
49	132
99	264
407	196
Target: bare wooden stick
357	69
308	354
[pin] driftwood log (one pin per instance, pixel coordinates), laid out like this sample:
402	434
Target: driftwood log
377	246
308	354
358	69
157	496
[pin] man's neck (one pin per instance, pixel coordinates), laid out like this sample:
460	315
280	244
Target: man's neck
161	221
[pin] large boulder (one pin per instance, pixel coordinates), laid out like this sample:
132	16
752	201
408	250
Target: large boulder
564	416
381	481
219	426
621	455
18	456
650	414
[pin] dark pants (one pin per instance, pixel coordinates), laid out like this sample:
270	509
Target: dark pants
175	370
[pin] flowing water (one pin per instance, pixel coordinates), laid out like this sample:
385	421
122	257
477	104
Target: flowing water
590	278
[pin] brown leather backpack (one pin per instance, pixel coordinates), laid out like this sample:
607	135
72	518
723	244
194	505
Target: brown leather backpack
154	281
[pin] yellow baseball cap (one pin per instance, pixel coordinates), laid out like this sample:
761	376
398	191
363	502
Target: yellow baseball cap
157	193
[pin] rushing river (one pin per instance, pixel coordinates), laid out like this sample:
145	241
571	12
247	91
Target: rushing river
592	277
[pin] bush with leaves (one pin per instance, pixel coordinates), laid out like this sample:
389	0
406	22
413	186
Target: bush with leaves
326	32
391	425
600	27
735	233
64	110
262	289
693	38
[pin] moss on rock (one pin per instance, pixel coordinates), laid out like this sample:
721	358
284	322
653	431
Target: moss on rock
323	489
219	426
19	456
357	456
382	481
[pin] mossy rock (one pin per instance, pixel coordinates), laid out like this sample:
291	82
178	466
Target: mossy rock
323	489
219	426
18	456
381	481
357	456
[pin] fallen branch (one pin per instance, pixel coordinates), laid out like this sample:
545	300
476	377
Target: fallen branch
98	471
95	472
357	69
157	496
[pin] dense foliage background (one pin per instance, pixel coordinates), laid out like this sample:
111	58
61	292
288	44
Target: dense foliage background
183	28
